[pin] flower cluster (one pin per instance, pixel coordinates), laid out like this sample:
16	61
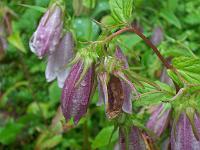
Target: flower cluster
77	75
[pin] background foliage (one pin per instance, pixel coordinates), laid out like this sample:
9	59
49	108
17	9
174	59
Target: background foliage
30	117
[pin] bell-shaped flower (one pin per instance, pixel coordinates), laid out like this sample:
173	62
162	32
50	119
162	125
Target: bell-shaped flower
131	139
57	61
159	119
79	85
75	97
186	132
115	89
48	33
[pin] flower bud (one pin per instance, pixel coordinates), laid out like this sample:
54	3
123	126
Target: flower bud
48	33
57	61
159	119
131	139
75	98
182	135
157	36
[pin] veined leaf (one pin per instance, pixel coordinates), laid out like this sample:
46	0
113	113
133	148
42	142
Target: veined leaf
121	10
151	95
189	69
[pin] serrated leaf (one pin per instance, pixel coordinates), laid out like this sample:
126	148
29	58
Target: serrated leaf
103	137
16	41
150	95
121	10
151	99
189	69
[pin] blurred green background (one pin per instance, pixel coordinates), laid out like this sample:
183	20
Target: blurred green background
30	117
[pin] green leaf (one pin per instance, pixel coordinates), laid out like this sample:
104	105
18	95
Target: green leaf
103	137
150	95
151	99
101	7
9	132
39	109
189	69
54	93
89	3
15	40
172	4
48	140
52	142
121	10
38	8
170	17
86	29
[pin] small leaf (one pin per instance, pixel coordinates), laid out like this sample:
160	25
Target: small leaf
16	41
121	10
102	139
52	142
38	8
170	17
89	3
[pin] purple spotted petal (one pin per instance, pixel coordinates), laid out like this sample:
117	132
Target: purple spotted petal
100	92
56	66
75	99
158	122
48	33
157	36
184	139
127	104
134	137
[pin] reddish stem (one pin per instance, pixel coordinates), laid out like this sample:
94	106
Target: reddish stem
146	40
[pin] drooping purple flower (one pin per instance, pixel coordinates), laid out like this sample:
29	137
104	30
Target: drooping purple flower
57	61
75	98
131	138
159	120
182	136
157	36
115	89
48	33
